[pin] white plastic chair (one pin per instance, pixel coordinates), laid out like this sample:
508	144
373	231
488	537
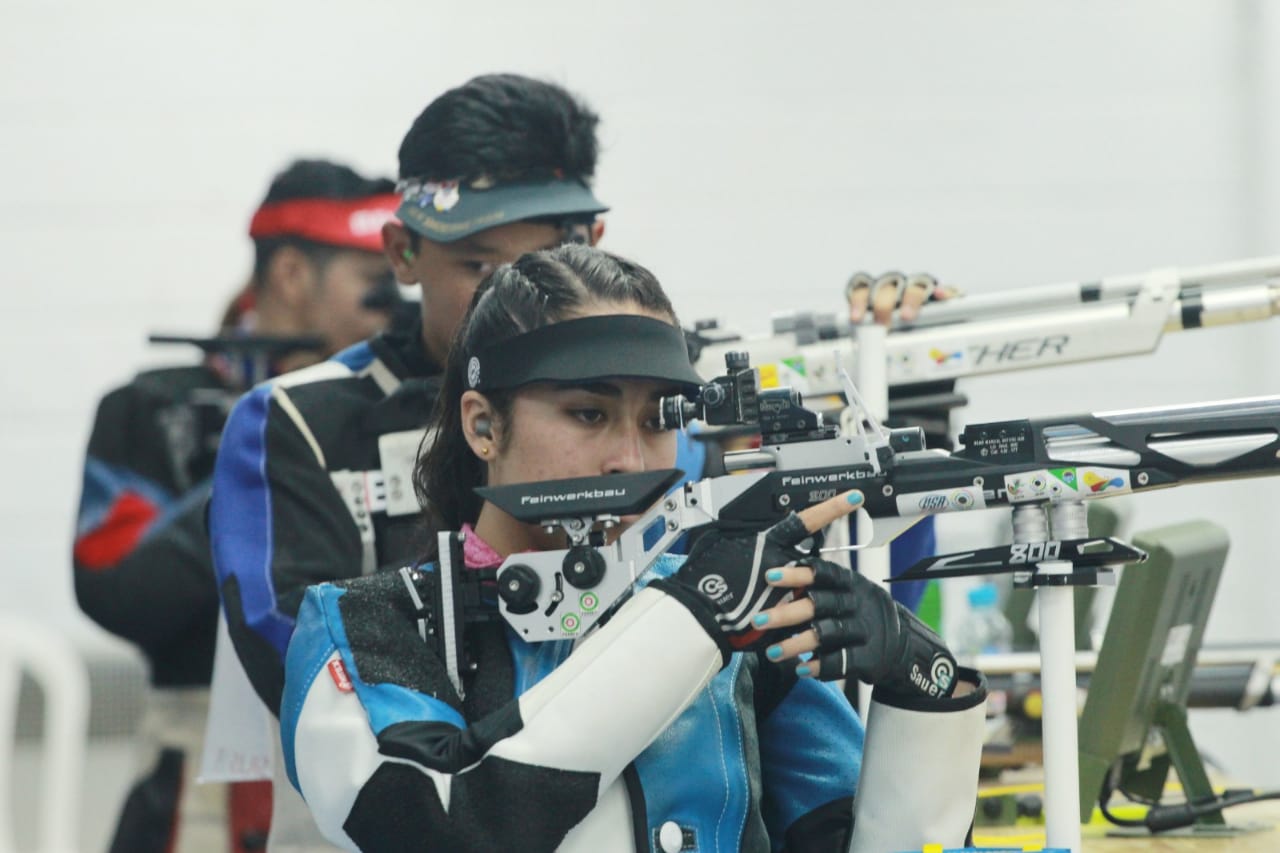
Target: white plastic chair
55	665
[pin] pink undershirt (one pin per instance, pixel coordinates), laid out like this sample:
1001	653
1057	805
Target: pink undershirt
476	553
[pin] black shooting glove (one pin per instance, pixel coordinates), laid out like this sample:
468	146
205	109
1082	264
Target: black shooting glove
723	582
863	633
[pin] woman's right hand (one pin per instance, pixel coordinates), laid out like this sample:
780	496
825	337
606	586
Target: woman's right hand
724	580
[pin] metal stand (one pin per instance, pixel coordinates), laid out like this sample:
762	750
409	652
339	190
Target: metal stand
1171	720
873	384
1055	581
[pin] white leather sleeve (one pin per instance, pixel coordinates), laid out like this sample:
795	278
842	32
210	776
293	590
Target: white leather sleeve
618	691
919	781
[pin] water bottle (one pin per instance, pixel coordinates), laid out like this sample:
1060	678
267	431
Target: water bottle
984	631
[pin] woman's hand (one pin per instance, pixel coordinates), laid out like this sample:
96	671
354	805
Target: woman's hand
856	630
724	577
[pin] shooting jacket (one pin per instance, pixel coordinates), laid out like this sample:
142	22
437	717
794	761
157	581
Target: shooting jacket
639	737
141	559
314	483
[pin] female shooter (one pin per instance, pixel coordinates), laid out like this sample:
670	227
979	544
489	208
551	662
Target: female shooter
666	728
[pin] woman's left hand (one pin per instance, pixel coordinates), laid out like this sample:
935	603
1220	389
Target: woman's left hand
857	630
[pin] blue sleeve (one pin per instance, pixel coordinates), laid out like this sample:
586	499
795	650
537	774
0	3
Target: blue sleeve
810	754
277	525
241	523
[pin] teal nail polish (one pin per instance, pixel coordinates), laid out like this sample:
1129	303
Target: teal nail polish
760	619
773	575
803	671
805	657
774	652
854	498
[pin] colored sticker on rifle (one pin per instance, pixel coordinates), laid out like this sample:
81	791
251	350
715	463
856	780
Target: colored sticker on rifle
570	623
1056	484
787	373
1028	486
1099	480
1067	476
950	500
588	601
943	357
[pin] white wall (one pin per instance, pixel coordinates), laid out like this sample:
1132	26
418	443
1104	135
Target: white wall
755	155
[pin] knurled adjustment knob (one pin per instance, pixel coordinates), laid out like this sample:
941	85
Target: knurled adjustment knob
583	567
713	395
518	586
737	360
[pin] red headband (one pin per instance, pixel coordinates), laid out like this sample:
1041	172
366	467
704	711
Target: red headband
351	223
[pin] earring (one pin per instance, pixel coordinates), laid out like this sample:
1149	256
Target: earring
408	255
484	451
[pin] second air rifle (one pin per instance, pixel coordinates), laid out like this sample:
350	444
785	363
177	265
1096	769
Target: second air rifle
998	332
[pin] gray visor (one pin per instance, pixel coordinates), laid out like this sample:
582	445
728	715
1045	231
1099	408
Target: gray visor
619	346
448	212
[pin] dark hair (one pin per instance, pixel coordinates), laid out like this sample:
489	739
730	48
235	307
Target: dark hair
312	179
539	289
501	126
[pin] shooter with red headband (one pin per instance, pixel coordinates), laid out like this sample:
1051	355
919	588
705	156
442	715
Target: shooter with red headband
143	568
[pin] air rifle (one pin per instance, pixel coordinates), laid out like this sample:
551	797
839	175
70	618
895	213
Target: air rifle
1043	469
1010	330
249	356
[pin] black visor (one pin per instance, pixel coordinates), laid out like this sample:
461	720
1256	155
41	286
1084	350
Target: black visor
621	346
